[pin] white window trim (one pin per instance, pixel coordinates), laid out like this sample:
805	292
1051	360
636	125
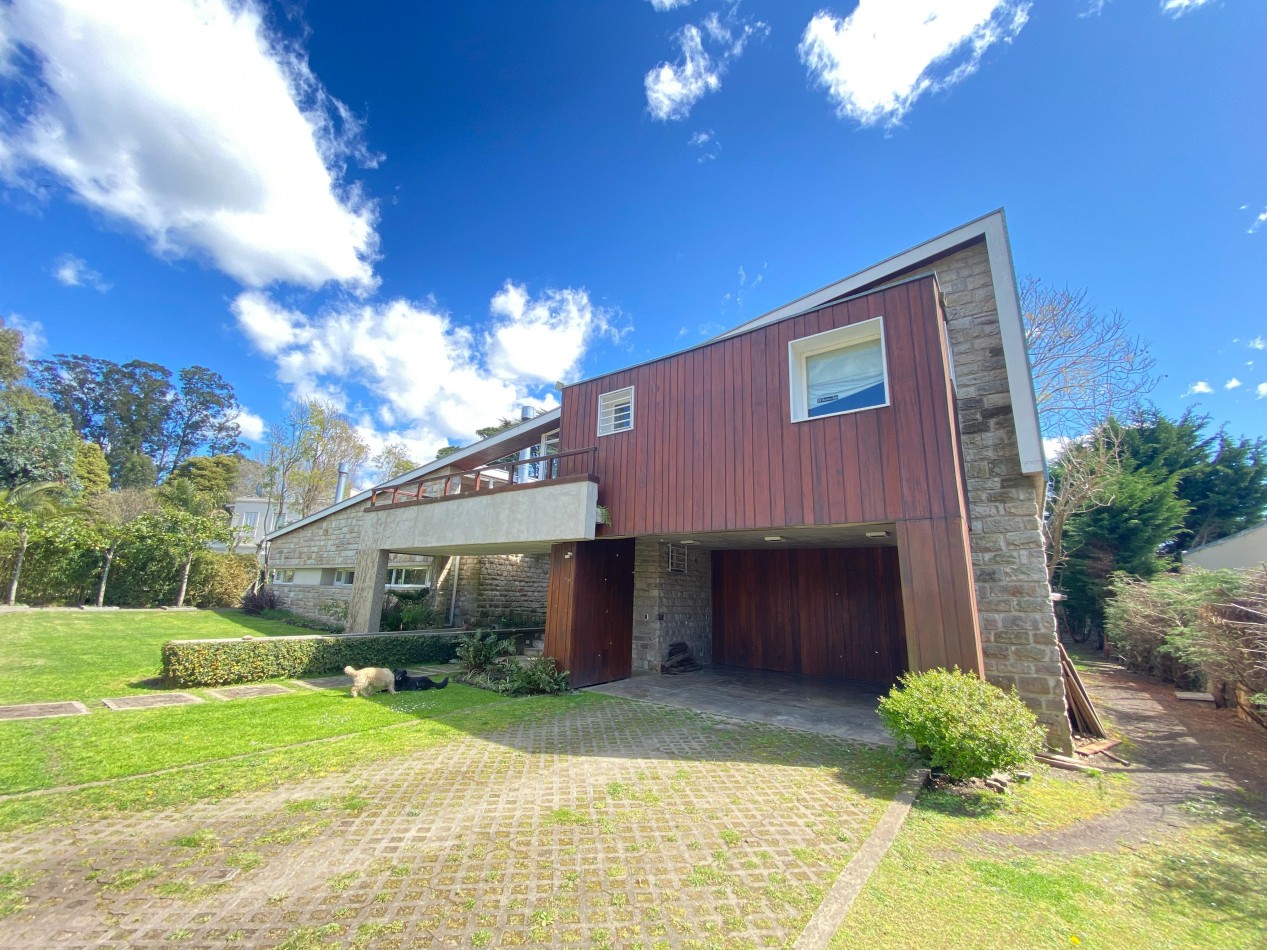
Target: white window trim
800	350
616	396
344	570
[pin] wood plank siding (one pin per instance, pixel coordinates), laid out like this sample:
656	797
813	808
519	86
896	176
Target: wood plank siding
820	611
713	447
589	610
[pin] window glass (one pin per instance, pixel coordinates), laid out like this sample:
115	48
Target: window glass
851	377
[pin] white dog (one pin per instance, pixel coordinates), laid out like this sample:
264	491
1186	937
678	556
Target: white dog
366	681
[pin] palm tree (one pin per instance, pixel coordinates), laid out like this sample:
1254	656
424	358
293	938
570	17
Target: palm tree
22	508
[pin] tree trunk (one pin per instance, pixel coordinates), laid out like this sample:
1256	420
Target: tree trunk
184	582
17	566
105	574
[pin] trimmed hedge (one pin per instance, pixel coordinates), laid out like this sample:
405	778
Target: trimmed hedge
225	662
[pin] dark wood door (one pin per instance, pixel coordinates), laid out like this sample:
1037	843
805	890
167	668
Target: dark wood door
821	611
589	610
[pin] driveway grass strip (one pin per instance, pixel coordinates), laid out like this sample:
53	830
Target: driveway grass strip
219	779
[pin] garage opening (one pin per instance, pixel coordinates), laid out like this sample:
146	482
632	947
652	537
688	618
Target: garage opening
830	612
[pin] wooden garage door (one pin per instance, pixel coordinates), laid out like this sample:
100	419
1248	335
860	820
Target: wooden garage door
821	611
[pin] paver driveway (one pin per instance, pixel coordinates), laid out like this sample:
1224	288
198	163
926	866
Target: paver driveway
613	823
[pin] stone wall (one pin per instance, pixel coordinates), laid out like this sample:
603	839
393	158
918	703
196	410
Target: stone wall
670	607
304	599
1018	628
494	585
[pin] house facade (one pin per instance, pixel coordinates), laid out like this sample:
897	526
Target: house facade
849	486
1245	550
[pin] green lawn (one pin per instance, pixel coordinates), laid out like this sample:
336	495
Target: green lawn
960	875
55	655
46	753
60	655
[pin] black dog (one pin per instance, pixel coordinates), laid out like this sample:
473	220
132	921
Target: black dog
406	682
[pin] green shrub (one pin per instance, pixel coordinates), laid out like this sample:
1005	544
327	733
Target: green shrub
482	649
219	580
224	662
1158	626
961	723
336	611
540	676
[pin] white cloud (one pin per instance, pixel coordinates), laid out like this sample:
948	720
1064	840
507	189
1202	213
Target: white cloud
74	272
662	5
193	122
876	62
1258	343
34	342
1259	220
252	426
1054	446
706	142
429	379
1232	383
542	339
1177	8
674	88
1261	391
1200	387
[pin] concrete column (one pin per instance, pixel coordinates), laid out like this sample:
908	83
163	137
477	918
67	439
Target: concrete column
365	609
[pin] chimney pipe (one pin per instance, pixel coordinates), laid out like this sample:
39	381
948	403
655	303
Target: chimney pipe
526	413
342	483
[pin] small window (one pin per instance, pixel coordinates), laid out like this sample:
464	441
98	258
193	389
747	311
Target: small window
344	578
615	411
407	577
677	559
842	370
250	519
281	577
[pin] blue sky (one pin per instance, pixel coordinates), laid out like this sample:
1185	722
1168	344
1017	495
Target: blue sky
430	213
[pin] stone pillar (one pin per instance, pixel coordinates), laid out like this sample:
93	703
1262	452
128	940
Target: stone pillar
671	607
365	609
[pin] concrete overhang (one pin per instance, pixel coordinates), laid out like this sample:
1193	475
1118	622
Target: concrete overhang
520	519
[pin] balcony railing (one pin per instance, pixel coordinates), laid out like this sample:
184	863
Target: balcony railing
486	478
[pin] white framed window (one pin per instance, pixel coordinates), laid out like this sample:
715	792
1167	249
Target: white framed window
615	411
839	371
409	577
677	559
249	519
281	577
344	577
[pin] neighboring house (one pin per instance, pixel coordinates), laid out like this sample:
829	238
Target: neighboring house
1243	550
847	486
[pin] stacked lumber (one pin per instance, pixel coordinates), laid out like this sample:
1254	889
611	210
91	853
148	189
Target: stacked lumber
1081	713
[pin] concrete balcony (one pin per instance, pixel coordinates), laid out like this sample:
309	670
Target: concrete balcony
511	518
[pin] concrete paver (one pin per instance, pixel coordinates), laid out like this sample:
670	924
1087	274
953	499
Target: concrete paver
810	703
43	710
610	824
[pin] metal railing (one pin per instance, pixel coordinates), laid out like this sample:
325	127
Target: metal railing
496	475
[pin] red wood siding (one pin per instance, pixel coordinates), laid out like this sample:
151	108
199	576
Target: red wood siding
825	612
938	599
589	610
713	446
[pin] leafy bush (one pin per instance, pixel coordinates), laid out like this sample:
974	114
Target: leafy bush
410	610
540	676
1230	642
336	611
259	599
480	650
218	580
962	724
1151	624
222	662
